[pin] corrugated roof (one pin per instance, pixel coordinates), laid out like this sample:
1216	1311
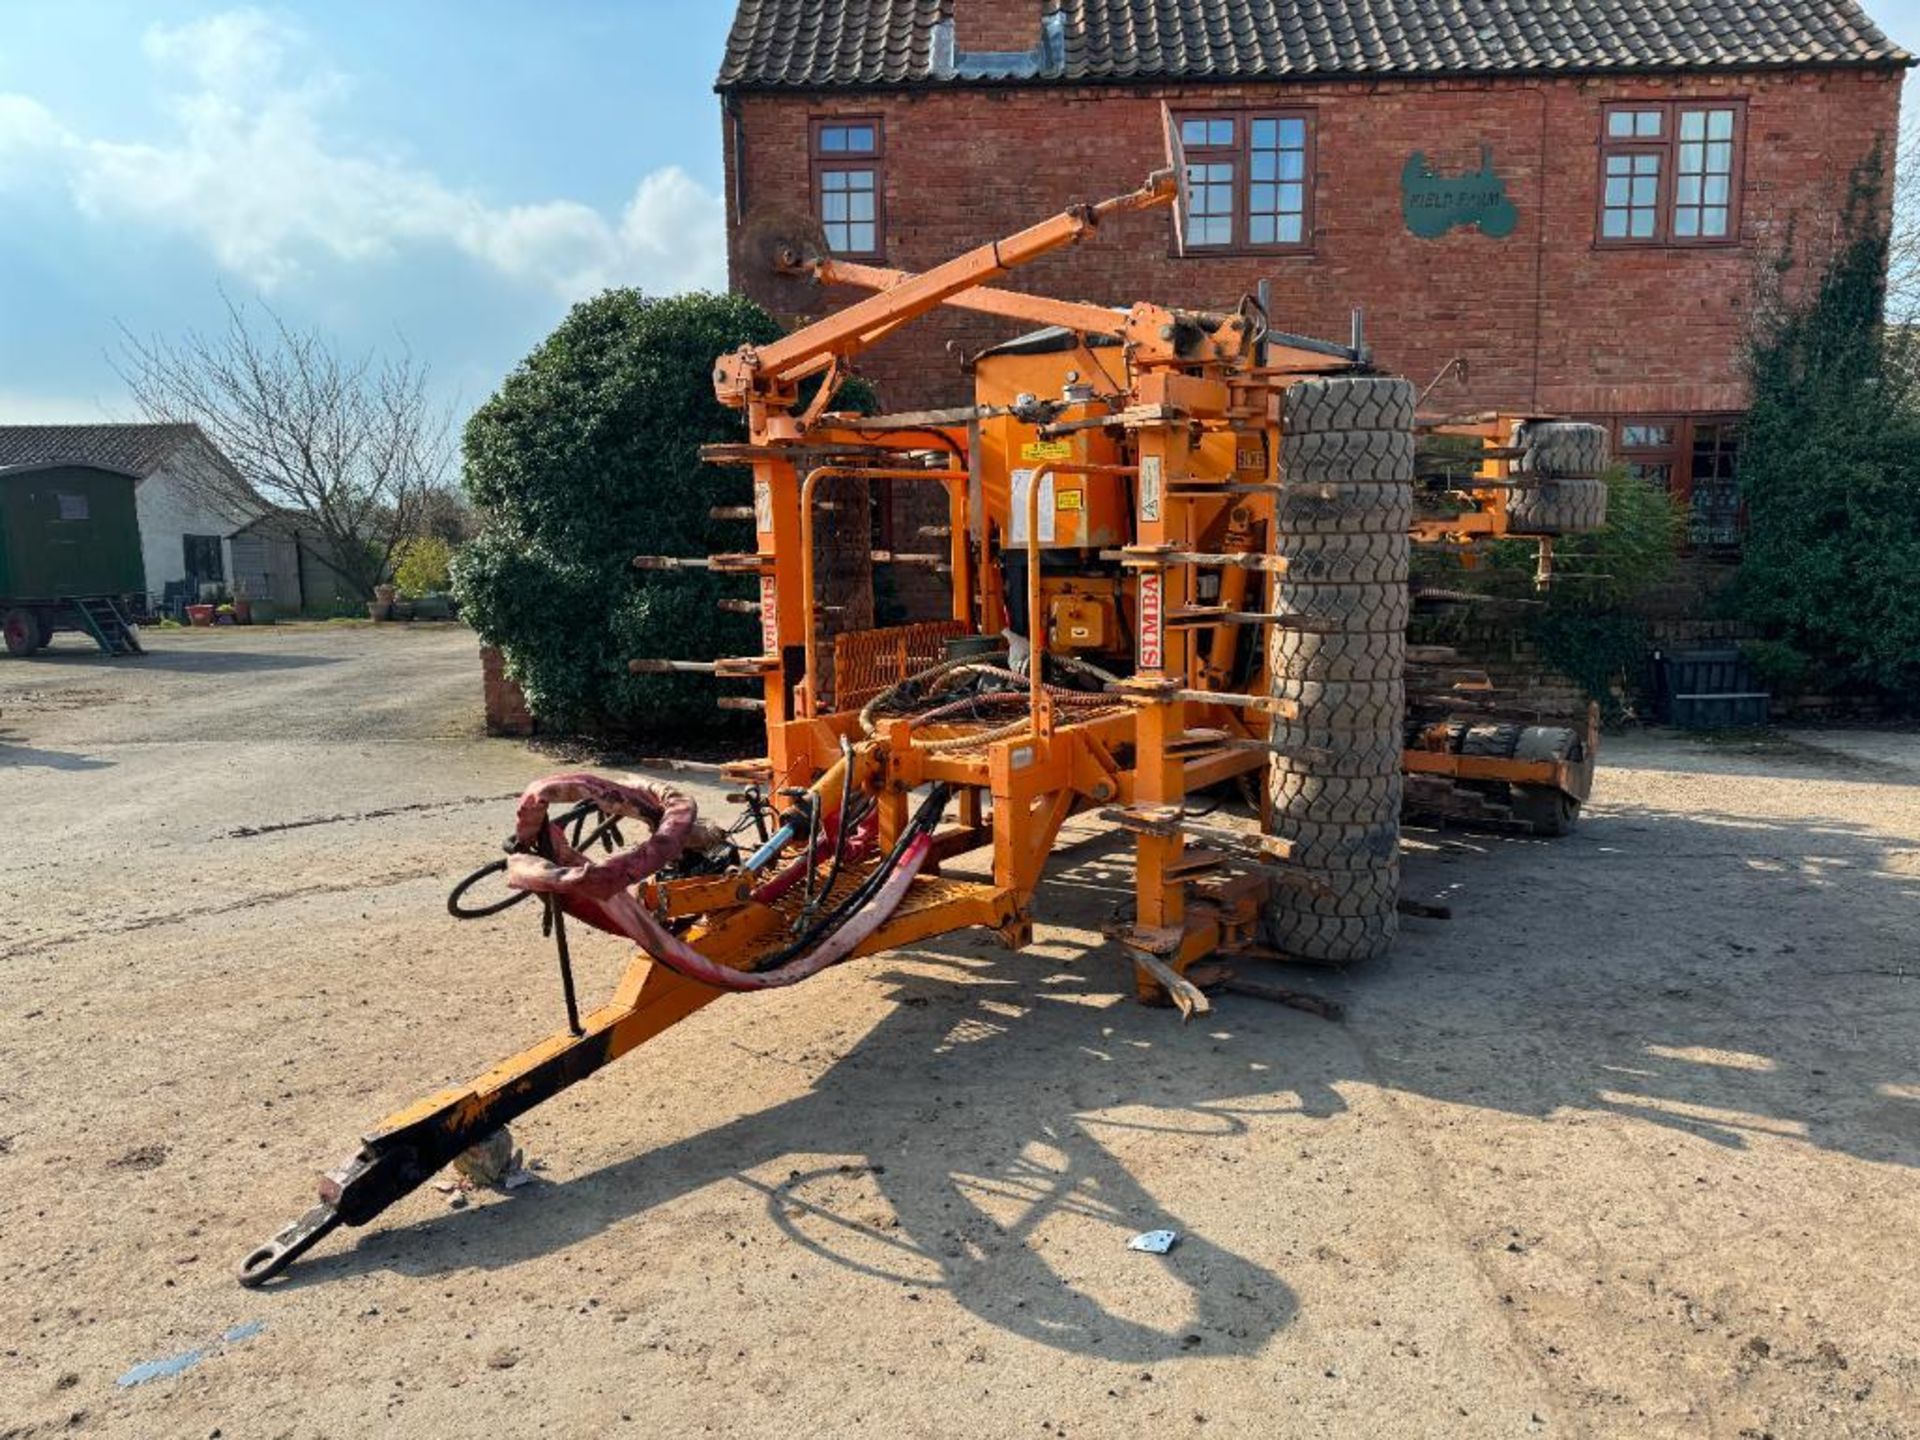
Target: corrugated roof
864	43
138	449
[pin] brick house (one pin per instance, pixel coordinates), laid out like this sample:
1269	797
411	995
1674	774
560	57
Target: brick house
1562	207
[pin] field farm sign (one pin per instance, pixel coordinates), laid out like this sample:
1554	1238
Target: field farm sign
1433	204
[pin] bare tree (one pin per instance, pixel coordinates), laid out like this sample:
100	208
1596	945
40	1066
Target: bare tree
1903	247
351	452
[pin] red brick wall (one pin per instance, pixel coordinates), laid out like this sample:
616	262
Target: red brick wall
998	24
506	707
1543	318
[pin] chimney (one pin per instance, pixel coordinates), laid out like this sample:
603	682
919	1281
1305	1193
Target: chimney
998	25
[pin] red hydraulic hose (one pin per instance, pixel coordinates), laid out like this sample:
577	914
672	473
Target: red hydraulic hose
598	893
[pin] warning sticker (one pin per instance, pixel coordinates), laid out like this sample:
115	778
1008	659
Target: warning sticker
1070	500
1047	450
1150	473
763	507
1022	488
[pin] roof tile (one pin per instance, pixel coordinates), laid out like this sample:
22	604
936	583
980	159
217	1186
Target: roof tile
830	43
141	449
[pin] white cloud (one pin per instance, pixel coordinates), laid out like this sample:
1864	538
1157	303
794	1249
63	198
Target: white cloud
252	173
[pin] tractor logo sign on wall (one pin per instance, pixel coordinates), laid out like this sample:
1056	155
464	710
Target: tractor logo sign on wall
1433	204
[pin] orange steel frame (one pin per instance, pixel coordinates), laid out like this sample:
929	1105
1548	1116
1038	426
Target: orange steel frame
1189	373
1191	379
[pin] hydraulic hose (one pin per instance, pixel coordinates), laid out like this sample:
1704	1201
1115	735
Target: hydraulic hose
599	893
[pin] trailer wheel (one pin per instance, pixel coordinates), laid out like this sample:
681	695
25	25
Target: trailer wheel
25	634
1545	810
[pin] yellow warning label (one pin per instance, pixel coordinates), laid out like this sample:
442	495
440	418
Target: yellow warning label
1047	450
1071	500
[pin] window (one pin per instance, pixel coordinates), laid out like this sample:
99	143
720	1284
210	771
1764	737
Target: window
1695	459
1713	490
72	507
847	190
1249	180
1651	449
1670	173
204	564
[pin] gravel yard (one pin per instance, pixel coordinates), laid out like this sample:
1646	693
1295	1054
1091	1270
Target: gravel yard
1627	1148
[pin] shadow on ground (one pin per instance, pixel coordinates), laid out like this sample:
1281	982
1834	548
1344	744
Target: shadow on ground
1763	994
28	756
186	662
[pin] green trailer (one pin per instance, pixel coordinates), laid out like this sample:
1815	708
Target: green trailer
69	556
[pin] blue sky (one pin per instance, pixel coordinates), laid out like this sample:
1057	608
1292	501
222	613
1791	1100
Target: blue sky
447	174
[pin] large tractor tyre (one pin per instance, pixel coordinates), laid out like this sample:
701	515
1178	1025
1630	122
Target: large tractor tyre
1302	792
1343	894
1320	847
1332	939
1366	559
1558	507
1362	655
1349	609
1347	403
1560	450
1355	457
1342	753
1304	513
24	632
1341	519
1344	705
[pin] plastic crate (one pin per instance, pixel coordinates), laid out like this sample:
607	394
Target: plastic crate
1710	690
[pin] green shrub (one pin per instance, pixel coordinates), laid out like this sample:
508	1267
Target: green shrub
1830	472
588	455
1585	625
421	566
1777	665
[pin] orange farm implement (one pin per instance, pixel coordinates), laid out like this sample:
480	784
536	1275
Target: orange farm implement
1176	546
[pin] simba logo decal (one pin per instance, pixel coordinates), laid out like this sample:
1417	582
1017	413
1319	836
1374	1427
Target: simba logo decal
1433	204
1152	623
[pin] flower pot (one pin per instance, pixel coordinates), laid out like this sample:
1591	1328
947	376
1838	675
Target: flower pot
379	609
242	612
200	615
264	613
